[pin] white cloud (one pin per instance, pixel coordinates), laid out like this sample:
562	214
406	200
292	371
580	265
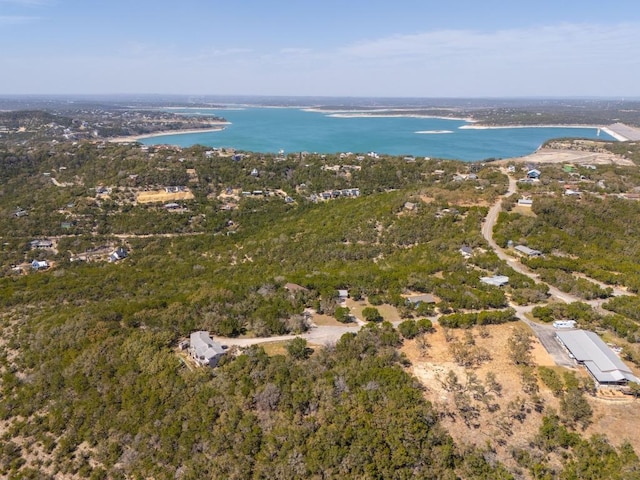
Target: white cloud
564	59
550	41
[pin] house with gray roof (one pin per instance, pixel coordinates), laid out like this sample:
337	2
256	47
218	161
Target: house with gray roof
118	254
41	244
294	287
496	280
416	300
534	173
588	349
39	264
204	350
529	252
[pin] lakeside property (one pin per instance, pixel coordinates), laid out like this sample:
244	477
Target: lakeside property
135	138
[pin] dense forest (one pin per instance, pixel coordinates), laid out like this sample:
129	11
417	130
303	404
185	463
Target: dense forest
92	381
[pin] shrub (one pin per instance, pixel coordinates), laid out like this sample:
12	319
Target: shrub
409	329
371	314
342	314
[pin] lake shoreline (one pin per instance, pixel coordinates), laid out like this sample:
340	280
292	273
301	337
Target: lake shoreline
383	131
134	138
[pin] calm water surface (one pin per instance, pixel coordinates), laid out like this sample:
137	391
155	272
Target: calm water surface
293	130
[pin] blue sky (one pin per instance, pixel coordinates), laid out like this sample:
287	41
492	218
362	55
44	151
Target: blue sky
463	48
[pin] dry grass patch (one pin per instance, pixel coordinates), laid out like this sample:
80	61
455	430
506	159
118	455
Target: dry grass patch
163	196
275	348
389	313
524	211
326	320
494	418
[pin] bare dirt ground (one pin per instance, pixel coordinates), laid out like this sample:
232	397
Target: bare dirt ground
548	155
613	413
162	196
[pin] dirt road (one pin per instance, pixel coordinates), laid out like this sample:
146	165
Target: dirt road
320	335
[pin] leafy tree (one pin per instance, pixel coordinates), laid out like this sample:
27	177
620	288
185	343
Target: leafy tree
634	388
342	314
575	408
520	347
551	379
371	314
298	349
424	325
409	329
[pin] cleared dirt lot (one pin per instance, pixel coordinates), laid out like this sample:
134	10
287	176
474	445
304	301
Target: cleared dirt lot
549	155
163	196
613	415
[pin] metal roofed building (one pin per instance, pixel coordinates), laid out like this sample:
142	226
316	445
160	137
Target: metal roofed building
423	298
204	350
496	280
588	349
529	252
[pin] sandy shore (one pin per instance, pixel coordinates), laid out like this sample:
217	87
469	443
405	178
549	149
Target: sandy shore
392	115
135	138
433	132
609	131
502	127
381	113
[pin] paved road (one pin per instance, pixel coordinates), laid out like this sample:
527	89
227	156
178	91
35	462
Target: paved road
547	336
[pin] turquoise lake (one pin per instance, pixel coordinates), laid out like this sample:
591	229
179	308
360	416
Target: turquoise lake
261	129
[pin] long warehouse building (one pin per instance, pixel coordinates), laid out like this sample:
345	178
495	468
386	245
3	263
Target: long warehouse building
588	349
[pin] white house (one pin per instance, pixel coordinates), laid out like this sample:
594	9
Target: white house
204	350
118	254
496	280
39	264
